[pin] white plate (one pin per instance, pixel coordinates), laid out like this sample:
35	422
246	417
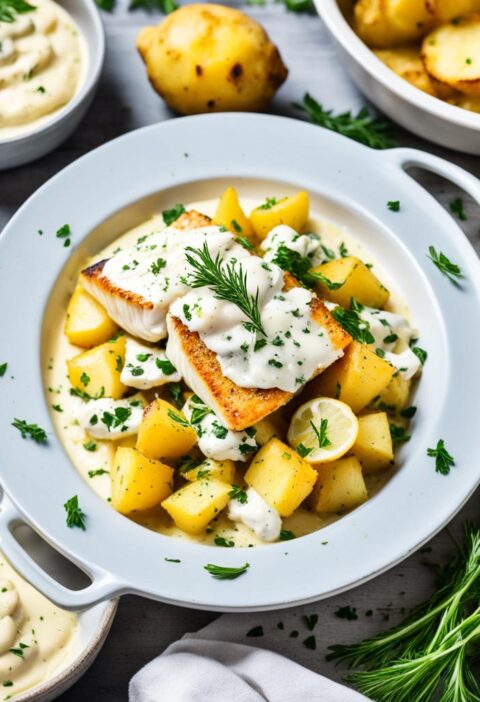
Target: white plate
121	184
423	114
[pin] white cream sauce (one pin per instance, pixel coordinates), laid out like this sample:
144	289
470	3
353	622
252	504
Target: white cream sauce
214	439
147	366
257	515
110	419
42	63
95	465
36	637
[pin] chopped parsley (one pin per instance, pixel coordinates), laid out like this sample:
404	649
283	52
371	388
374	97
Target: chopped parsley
119	417
408	412
398	434
97	471
303	451
443	460
85	379
165	366
225	572
90	446
64	233
457	207
178	419
286	535
227	543
171	215
33	431
449	269
246	243
238	493
218	430
350	320
420	353
394	205
19	651
3	369
57	408
176	393
173	560
157	266
9	9
75	516
269	203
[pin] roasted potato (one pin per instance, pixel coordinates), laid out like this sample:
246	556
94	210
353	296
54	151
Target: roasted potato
451	54
211	58
407	63
386	23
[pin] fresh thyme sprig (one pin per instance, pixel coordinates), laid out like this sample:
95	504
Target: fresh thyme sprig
362	127
449	269
227	282
429	655
10	8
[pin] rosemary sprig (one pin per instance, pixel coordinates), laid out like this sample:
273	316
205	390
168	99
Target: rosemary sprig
10	8
227	282
429	655
362	127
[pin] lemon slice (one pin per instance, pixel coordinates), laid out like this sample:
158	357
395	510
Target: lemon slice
323	430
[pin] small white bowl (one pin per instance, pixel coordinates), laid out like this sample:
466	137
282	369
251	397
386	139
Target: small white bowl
427	116
30	146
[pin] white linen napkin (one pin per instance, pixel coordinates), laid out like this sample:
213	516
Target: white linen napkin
202	670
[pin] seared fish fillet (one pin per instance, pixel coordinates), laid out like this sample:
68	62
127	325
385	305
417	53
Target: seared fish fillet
135	314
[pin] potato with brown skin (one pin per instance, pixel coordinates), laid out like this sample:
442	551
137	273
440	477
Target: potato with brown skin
211	58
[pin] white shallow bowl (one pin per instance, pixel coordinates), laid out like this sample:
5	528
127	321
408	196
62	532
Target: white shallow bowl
422	114
30	146
93	624
194	158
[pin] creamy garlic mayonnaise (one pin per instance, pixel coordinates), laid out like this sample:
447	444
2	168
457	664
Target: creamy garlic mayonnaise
36	637
254	524
42	63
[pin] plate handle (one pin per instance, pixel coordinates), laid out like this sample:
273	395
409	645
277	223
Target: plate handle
408	158
103	586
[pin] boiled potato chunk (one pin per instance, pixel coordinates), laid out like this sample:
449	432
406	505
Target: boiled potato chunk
211	58
356	281
272	426
138	482
97	371
386	23
229	214
396	395
210	468
407	63
194	505
87	323
281	477
164	432
340	486
292	211
358	377
446	10
451	54
373	446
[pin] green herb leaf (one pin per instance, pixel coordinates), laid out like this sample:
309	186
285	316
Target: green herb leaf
35	432
456	206
398	434
165	6
176	393
358	328
106	5
286	535
238	493
420	353
85	379
227	543
170	216
363	127
166	366
443	460
225	572
75	516
303	450
97	471
394	205
3	369
445	266
323	440
228	282
246	243
10	8
157	266
176	418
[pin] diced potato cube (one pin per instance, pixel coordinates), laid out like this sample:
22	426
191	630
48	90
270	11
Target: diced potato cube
97	371
356	281
269	427
138	482
373	447
195	504
164	431
229	214
87	323
340	486
396	395
292	211
220	470
281	477
358	377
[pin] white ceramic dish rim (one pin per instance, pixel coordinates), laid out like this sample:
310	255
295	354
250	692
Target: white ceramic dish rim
123	557
333	17
90	81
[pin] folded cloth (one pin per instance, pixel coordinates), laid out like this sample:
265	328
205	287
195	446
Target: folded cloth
201	670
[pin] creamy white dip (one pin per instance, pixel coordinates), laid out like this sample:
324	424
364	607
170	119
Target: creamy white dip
257	515
110	419
147	366
36	637
42	62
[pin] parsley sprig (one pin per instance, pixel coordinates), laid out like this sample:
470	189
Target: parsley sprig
358	328
443	460
225	572
10	8
227	282
33	431
301	268
362	127
449	269
238	493
75	516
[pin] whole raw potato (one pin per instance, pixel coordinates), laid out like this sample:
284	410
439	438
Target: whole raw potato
211	58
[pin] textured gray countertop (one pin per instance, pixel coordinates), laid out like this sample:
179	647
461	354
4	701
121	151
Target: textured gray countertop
124	102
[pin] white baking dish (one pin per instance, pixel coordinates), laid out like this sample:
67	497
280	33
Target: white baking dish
121	184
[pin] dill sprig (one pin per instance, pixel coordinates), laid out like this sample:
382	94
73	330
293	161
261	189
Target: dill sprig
227	282
428	656
362	127
10	8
